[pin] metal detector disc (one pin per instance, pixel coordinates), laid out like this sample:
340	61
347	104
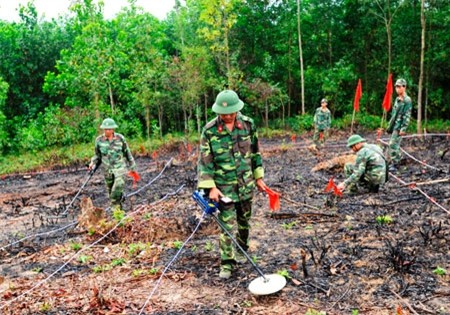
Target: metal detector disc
271	284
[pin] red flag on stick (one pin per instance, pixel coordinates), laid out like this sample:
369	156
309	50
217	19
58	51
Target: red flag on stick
274	199
357	96
332	186
388	95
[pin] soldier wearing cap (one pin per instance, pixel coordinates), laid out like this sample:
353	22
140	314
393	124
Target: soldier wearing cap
400	118
230	165
111	150
369	170
322	123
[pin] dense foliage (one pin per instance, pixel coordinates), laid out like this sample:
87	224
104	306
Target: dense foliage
60	78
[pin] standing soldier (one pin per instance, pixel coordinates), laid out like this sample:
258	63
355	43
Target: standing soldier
230	165
112	150
322	123
369	169
401	115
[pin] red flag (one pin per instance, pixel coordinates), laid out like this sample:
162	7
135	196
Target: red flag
357	96
274	199
388	95
330	184
135	176
293	138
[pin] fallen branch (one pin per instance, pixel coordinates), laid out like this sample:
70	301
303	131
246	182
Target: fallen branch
431	182
405	302
287	215
299	203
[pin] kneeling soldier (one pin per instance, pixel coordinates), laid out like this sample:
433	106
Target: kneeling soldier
369	170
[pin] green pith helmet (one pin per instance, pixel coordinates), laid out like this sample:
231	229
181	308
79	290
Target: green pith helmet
227	102
354	139
108	123
401	82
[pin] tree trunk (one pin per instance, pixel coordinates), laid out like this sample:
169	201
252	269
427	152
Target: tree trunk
111	98
302	81
422	57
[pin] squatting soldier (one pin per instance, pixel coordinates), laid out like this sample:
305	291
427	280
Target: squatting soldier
401	115
111	150
230	165
322	123
369	170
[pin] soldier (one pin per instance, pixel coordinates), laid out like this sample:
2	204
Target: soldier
230	165
401	115
112	150
369	169
322	123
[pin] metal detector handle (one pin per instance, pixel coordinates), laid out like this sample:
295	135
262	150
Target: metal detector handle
92	170
207	205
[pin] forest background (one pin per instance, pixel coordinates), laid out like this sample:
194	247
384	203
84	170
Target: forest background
158	79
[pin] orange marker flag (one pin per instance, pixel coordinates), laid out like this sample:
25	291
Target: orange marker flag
135	176
331	185
357	96
274	199
388	96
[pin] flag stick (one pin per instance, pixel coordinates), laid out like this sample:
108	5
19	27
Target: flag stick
353	120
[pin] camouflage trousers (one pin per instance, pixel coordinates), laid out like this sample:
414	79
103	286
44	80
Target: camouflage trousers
365	181
231	214
394	148
318	140
115	185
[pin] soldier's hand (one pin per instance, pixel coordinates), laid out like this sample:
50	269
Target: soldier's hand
261	185
401	133
215	194
91	166
341	186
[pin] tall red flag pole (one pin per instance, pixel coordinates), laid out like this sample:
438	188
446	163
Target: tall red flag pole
358	94
387	99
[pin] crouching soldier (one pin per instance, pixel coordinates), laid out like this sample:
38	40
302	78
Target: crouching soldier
112	151
369	170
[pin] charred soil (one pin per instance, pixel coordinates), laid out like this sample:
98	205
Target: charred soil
368	253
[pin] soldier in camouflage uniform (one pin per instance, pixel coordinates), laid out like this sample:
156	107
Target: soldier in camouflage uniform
112	151
369	170
322	123
230	165
401	115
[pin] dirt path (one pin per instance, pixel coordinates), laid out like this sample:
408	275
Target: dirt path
341	255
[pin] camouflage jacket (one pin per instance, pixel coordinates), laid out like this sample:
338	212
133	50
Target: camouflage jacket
112	154
371	164
401	115
230	161
322	119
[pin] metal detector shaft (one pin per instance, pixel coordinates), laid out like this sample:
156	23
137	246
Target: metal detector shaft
239	246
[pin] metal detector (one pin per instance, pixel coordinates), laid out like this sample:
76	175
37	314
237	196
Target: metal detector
90	174
263	285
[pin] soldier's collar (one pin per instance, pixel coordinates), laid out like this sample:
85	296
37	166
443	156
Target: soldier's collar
237	123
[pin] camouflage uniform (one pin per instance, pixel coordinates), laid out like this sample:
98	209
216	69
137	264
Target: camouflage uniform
401	115
112	154
322	123
231	161
369	169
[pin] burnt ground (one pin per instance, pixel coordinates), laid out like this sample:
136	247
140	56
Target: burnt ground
341	255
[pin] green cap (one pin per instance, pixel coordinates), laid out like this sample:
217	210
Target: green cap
354	139
324	100
108	123
401	82
227	102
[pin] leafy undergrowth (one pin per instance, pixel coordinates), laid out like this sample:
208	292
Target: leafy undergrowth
385	253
